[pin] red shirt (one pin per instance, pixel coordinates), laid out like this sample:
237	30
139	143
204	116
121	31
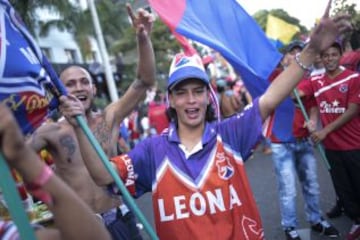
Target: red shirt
333	97
298	120
351	60
157	116
299	131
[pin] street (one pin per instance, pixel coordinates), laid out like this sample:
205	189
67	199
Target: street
263	182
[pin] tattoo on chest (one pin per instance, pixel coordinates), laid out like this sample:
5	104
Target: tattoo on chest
69	146
103	135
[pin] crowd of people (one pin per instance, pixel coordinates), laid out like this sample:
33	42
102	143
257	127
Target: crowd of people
197	177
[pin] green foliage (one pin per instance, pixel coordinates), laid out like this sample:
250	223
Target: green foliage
261	18
112	16
27	10
164	43
342	6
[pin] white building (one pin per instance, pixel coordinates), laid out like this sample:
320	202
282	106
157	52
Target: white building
60	46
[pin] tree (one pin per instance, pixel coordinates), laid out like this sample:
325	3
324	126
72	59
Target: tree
165	46
113	20
261	18
27	10
72	18
343	6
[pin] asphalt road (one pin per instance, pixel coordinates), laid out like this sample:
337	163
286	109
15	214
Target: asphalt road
262	178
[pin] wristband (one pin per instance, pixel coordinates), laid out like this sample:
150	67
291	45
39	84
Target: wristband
35	187
303	66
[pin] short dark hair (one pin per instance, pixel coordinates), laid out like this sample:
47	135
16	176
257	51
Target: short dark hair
335	45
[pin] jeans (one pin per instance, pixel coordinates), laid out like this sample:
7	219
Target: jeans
291	159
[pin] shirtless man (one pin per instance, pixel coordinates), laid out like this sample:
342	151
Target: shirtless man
60	140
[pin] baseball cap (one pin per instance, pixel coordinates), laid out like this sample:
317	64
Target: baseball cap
294	44
337	45
184	67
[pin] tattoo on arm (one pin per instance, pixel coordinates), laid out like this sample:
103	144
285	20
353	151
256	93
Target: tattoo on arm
69	146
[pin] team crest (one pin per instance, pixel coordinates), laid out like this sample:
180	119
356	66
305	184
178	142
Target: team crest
251	228
225	169
343	88
181	60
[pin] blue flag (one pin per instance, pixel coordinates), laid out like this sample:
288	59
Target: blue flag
28	84
226	27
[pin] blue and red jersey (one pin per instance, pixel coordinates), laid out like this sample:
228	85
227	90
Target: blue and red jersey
207	194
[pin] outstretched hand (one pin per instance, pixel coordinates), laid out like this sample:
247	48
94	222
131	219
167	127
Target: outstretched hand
142	22
328	30
11	139
71	106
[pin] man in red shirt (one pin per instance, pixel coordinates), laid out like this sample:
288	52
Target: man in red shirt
157	113
337	96
293	157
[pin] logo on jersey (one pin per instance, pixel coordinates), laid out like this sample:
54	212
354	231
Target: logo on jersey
332	107
225	169
181	60
343	88
251	228
321	82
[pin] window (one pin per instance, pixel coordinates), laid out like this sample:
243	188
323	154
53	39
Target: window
70	55
47	52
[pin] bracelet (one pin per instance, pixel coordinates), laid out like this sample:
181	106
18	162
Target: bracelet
303	67
35	187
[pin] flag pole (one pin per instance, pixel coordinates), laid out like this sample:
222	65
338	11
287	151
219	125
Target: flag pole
319	145
103	52
13	202
125	194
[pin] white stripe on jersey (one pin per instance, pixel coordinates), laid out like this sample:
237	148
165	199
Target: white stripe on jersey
326	88
186	179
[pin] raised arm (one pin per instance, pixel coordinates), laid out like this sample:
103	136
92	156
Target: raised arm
73	219
145	76
322	37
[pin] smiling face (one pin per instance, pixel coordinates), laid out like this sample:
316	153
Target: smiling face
331	59
77	82
190	99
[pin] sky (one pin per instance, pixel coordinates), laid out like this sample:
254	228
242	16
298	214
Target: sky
307	11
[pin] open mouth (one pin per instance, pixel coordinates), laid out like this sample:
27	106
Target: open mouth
192	112
82	98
